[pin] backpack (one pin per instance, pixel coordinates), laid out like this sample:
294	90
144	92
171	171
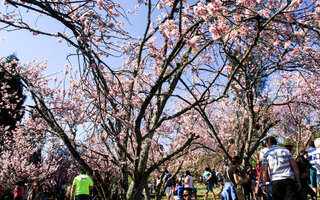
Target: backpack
213	179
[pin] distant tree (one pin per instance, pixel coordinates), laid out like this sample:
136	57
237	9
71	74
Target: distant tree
11	100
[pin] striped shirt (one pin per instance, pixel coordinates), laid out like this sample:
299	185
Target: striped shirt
314	157
278	161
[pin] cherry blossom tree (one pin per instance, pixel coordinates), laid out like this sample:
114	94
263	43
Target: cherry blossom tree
17	158
257	58
129	104
301	112
11	94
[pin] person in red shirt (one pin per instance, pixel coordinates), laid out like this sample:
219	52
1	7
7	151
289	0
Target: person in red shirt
18	191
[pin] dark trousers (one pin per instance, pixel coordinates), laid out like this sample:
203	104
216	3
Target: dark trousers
284	188
82	197
308	190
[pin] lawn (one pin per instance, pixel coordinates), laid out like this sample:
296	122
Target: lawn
201	192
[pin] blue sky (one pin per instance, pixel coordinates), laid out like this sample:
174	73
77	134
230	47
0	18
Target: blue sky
26	46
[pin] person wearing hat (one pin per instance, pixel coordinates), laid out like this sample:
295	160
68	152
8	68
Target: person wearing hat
284	172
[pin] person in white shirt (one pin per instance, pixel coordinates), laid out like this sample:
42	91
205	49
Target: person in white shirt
188	181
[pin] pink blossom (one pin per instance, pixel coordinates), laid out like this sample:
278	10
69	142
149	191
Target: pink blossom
110	25
160	6
100	3
169	4
214	8
193	41
214	31
287	44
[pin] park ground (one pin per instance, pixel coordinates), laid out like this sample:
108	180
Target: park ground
201	191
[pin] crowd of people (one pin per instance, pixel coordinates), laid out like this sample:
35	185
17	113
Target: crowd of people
33	191
80	189
276	176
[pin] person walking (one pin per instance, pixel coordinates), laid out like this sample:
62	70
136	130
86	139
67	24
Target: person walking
283	169
169	183
314	157
81	187
313	172
208	178
304	167
259	186
232	179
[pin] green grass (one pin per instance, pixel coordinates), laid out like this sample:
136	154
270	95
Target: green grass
201	192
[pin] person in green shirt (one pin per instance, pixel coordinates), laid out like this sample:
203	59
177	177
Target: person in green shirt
81	186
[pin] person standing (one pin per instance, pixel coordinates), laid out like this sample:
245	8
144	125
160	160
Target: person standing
283	169
314	157
232	179
169	183
18	191
259	186
247	187
313	172
81	186
179	190
209	181
304	167
188	181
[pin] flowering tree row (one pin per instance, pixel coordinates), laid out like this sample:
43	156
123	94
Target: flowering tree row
127	105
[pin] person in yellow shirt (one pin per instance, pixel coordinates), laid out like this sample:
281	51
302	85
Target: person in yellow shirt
81	186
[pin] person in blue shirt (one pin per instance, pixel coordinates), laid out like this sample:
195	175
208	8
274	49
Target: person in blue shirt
179	190
208	178
169	183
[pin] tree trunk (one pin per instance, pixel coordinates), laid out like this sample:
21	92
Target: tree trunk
135	191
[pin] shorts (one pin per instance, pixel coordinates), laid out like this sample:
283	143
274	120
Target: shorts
82	197
209	187
228	192
168	191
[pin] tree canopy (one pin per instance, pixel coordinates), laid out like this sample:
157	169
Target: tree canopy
211	75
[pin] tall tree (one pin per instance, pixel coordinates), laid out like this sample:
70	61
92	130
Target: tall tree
123	114
11	100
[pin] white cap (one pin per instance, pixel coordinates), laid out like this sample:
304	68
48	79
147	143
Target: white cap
317	143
